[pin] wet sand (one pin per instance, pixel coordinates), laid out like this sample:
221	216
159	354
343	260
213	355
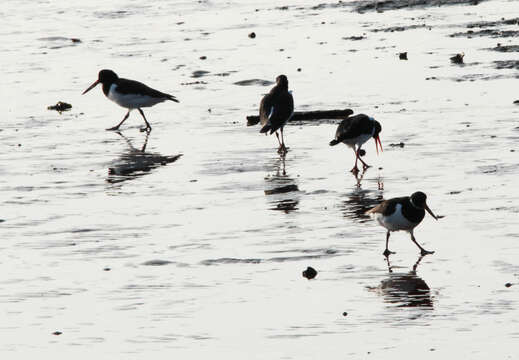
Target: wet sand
113	251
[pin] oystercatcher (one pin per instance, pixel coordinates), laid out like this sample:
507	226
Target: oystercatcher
276	108
355	131
129	94
403	213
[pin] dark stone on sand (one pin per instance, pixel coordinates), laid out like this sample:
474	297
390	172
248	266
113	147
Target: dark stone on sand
308	116
516	102
57	333
385	5
362	152
299	69
310	273
75	40
354	38
400	144
493	33
345	314
107	269
250	82
282	189
507	64
508	285
156	262
199	73
458	58
252	35
60	107
403	56
203	57
506	48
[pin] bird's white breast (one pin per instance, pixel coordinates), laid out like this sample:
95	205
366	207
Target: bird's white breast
132	101
396	221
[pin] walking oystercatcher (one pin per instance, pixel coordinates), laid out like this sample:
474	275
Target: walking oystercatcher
276	108
129	94
355	131
403	213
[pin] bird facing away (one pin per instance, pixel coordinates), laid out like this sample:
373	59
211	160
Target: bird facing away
276	108
355	131
402	213
129	94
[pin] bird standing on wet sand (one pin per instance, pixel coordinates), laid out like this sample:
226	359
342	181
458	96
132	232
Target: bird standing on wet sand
129	94
355	131
403	213
276	108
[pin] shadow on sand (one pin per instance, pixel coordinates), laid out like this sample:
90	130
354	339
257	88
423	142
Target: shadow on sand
281	190
405	289
136	162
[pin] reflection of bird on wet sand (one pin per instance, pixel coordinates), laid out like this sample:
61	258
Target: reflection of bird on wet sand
358	202
405	289
136	162
282	192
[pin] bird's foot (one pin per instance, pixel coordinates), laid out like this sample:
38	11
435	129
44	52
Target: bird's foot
115	128
386	253
282	150
424	252
355	170
365	167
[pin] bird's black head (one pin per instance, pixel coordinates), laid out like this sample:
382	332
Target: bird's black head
419	199
282	81
376	131
107	76
378	128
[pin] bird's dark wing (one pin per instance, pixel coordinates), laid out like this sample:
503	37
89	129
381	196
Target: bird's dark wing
387	207
282	110
265	109
353	127
126	86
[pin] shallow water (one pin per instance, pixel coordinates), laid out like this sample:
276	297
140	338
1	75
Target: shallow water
131	254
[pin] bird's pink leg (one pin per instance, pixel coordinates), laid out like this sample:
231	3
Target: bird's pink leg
355	169
123	120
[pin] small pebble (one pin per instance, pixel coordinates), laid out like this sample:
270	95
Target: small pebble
252	35
107	269
403	56
345	314
57	333
310	273
299	69
508	285
458	58
203	57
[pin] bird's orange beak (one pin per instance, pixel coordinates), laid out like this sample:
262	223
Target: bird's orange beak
377	143
430	211
90	87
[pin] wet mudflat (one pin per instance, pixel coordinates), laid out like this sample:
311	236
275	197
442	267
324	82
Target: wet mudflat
191	241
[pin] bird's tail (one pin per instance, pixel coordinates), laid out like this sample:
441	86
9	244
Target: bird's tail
334	142
172	98
265	128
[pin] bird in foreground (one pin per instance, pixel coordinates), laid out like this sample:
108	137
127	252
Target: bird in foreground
276	108
355	131
402	213
129	94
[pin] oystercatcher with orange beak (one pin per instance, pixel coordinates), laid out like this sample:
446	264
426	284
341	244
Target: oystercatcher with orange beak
354	131
129	94
402	213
